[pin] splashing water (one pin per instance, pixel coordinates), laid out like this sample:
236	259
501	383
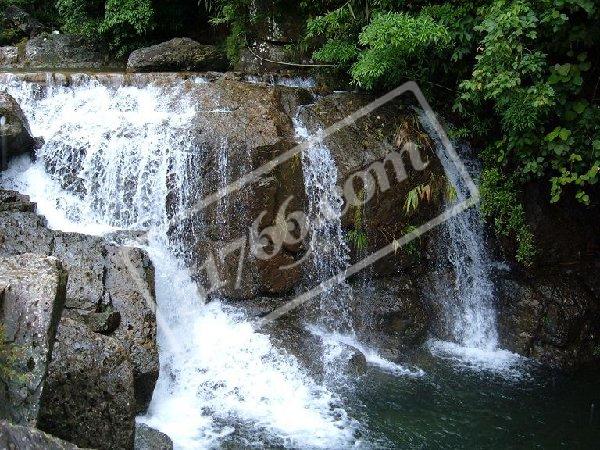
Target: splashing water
330	252
112	156
464	285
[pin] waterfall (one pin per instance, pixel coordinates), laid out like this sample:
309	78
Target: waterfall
468	293
113	157
331	256
328	246
463	284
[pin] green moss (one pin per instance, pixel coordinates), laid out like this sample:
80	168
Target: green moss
9	354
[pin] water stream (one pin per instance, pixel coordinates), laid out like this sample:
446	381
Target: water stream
328	246
114	154
110	157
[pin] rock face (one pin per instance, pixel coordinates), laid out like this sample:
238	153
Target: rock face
129	285
259	127
358	148
15	134
147	438
105	361
551	311
61	50
89	397
392	315
16	437
53	51
104	280
33	300
176	55
551	317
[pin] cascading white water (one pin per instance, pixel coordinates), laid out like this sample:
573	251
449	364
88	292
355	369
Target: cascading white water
463	285
112	157
328	246
331	256
469	299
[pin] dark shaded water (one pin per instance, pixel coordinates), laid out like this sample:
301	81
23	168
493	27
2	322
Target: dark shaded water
452	407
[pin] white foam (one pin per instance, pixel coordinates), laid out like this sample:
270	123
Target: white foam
339	343
63	211
497	361
218	376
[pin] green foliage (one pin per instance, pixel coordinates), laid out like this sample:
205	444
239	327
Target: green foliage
126	19
415	196
412	248
9	35
359	239
500	203
234	13
533	71
393	43
120	23
358	236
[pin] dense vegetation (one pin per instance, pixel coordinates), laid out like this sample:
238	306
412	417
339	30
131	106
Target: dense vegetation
518	77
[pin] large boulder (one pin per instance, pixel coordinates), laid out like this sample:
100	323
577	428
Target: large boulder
179	54
17	437
33	300
110	287
51	51
260	127
129	285
88	396
15	134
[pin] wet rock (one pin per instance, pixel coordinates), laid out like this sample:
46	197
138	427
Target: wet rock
24	232
84	259
102	277
357	364
51	51
257	129
9	56
103	322
129	283
552	318
17	437
367	141
16	202
88	396
179	54
147	438
32	303
391	314
15	134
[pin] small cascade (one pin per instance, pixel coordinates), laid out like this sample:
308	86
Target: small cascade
328	246
344	322
119	157
463	284
468	291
